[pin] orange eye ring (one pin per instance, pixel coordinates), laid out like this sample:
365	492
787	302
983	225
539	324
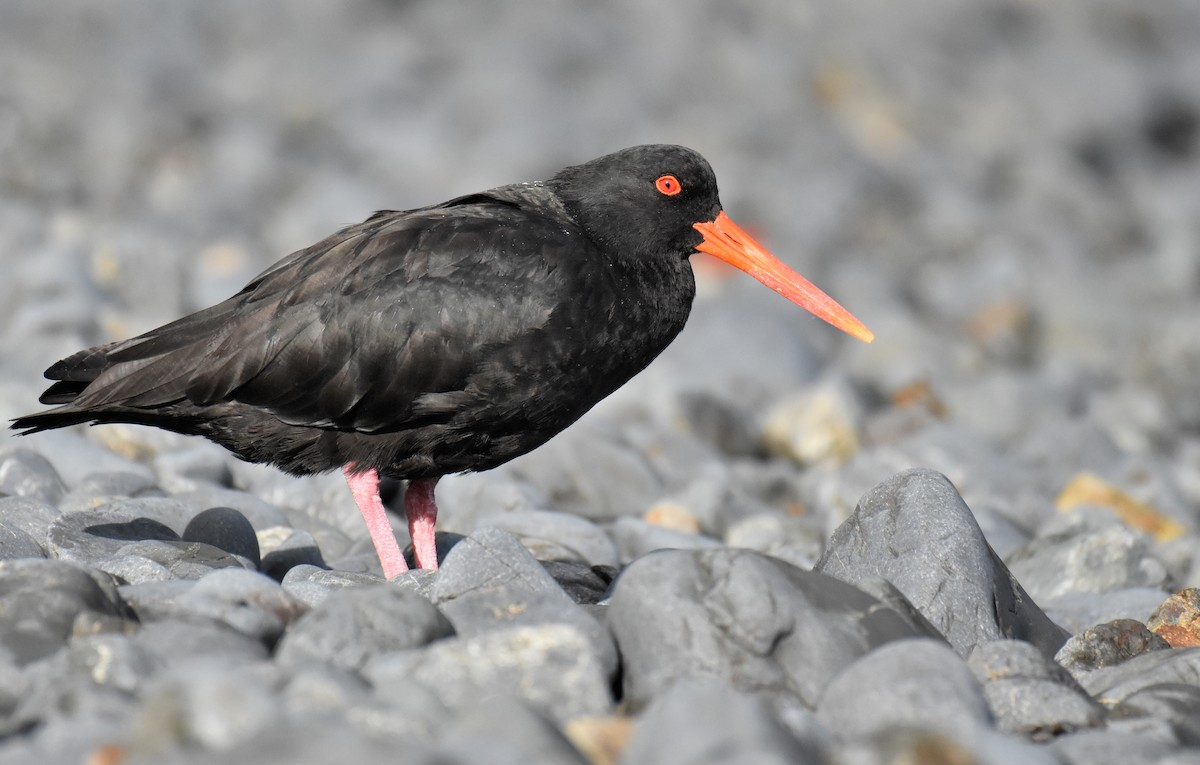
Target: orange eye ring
668	185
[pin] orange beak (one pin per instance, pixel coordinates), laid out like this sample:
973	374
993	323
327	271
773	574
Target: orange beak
726	240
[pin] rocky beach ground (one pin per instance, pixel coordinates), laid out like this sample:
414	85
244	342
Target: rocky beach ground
959	544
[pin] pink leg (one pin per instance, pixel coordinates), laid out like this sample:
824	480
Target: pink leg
364	486
421	509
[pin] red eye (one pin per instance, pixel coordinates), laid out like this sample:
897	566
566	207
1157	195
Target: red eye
668	185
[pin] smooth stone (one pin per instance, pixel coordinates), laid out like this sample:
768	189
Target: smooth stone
1107	645
134	569
916	683
99	489
502	730
26	473
207	705
185	560
635	538
467	500
551	667
1030	695
584	584
40	601
32	516
351	626
750	620
1176	705
193	467
312	585
226	529
260	513
153	600
1080	610
1112	685
15	543
1086	556
443	542
62	698
695	718
915	531
489	581
557	536
248	601
182	641
115	660
93	535
318	690
817	424
1102	747
795	539
283	549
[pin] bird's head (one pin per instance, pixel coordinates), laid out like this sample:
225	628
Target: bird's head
661	200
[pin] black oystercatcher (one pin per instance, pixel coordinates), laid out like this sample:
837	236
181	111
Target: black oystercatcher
439	340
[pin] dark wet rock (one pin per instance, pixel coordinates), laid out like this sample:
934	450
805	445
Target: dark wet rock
260	513
15	543
1107	645
744	618
226	529
696	718
40	601
584	584
915	531
352	625
284	549
26	473
920	683
551	667
505	731
1029	694
489	582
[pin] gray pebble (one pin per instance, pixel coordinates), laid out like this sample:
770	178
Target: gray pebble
915	531
551	667
189	468
99	489
251	603
1102	747
489	582
183	641
32	516
504	731
15	543
919	683
226	529
1175	705
752	621
283	549
1029	694
185	560
25	473
696	718
352	625
635	538
312	585
319	689
115	660
1111	685
40	601
557	536
260	513
1077	611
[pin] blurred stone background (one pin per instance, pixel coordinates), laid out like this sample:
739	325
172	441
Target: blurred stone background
1006	192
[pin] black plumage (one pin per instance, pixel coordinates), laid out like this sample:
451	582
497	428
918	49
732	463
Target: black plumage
431	341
